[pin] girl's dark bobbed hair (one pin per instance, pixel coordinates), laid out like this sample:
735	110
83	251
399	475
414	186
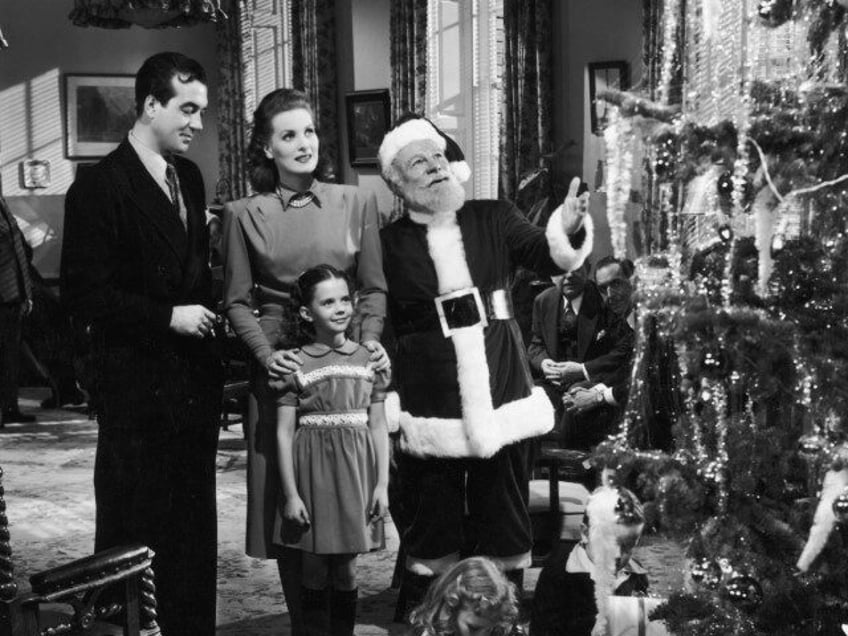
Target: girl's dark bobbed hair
261	171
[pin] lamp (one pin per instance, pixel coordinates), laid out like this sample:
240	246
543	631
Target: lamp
122	14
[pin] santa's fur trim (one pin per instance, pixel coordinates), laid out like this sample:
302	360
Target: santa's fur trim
563	253
448	437
835	481
407	132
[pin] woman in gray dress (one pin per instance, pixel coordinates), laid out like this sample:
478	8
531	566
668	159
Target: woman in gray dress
293	222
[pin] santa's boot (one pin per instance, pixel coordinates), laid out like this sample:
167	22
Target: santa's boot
315	610
342	612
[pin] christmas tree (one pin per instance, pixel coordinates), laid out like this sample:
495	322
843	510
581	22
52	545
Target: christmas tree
743	304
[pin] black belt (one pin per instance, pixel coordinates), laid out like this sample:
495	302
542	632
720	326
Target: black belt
448	312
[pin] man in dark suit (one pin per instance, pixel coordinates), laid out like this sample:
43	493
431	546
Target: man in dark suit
135	275
15	303
577	342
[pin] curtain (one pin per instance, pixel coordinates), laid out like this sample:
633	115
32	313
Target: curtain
526	126
408	56
232	122
313	31
651	46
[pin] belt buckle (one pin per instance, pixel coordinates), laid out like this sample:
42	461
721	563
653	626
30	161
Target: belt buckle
459	309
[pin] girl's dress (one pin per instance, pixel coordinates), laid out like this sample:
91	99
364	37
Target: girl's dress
335	464
269	240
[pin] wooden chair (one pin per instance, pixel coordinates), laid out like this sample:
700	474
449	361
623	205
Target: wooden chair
69	599
557	499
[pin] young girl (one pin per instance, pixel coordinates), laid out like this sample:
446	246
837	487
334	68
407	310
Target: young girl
333	449
472	598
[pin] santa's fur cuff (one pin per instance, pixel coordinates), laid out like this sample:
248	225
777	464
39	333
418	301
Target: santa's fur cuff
447	437
563	252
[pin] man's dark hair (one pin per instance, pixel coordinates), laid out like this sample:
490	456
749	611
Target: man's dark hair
154	77
625	264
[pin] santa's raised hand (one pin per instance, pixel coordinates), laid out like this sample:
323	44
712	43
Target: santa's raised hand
574	208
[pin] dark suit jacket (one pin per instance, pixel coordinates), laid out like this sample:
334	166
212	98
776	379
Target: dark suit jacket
604	345
604	342
127	261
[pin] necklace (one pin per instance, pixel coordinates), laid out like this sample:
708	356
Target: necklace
299	199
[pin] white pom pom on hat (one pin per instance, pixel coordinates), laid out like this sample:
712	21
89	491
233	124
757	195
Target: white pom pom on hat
411	128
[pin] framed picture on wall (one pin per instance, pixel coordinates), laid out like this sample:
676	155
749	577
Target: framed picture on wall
99	110
603	75
368	120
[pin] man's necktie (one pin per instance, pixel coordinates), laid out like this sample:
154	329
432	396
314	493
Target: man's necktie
569	321
174	189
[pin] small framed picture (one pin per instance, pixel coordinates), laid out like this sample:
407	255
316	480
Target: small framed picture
99	111
367	122
603	75
35	173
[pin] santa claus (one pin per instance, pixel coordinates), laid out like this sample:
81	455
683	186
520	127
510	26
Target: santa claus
466	396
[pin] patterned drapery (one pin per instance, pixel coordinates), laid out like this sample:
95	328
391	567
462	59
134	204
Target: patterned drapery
526	126
408	56
313	31
232	122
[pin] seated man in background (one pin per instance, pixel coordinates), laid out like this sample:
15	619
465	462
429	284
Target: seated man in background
572	590
577	342
613	280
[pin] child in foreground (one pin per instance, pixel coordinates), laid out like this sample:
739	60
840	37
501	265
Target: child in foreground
333	449
472	598
571	594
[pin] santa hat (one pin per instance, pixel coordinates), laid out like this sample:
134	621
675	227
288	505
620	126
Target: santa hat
411	127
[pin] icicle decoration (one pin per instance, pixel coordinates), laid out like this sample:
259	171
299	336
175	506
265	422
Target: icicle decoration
618	140
671	20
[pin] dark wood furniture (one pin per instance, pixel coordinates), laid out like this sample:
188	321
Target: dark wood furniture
114	585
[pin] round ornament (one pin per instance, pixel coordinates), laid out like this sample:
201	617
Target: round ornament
706	572
725	184
725	233
840	506
773	13
744	590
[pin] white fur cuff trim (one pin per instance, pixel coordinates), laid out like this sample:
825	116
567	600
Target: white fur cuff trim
406	133
563	253
447	437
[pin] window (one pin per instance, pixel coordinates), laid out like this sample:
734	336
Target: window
266	49
465	65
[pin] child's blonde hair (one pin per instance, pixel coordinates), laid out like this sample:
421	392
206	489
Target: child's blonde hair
475	583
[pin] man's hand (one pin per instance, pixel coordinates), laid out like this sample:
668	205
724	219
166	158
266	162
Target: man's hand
580	400
566	373
574	208
192	320
379	357
282	363
551	370
571	372
26	308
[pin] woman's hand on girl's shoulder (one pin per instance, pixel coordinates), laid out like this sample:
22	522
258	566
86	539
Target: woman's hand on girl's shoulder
282	363
379	358
379	503
294	510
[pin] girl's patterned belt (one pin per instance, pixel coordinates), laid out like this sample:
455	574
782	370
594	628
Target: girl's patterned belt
318	420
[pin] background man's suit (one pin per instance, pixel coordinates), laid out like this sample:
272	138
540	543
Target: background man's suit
604	345
127	260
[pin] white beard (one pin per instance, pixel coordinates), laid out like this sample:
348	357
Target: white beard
447	196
